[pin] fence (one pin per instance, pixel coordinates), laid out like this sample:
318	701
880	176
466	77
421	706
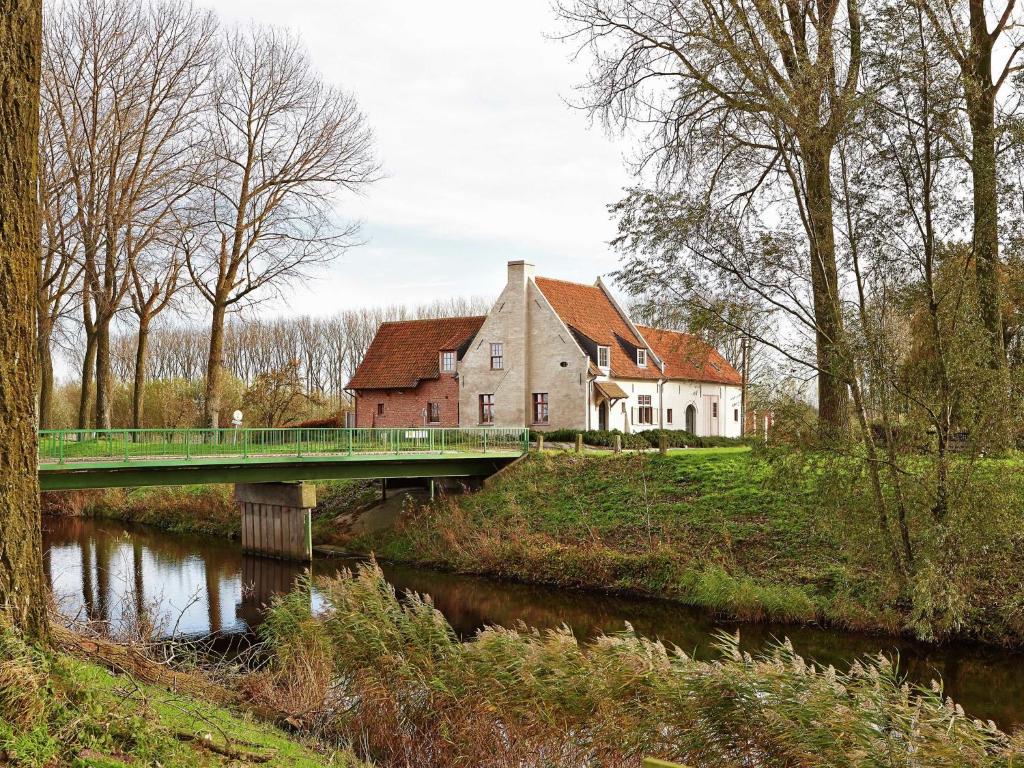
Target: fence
63	446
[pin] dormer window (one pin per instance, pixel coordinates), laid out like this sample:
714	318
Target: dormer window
603	355
448	361
641	358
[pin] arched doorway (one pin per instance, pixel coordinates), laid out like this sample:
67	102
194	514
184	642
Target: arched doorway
602	416
691	420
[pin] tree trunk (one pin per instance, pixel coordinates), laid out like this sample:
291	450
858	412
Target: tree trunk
88	359
104	378
980	96
833	398
215	366
986	228
22	589
45	361
139	386
88	369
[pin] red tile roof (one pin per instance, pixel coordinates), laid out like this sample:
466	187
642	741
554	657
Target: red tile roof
404	352
689	358
588	310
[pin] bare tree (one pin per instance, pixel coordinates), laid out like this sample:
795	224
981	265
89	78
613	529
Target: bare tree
284	143
125	83
747	102
22	590
60	269
156	280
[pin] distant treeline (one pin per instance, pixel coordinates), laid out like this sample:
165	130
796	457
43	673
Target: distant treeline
311	359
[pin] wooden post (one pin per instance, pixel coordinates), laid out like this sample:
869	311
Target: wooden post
663	444
618	443
579	442
276	519
540	443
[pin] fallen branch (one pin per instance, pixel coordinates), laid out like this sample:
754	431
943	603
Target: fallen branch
206	742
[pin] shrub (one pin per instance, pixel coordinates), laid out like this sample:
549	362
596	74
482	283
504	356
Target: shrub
634	440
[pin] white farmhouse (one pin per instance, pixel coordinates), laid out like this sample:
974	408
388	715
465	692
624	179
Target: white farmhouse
558	355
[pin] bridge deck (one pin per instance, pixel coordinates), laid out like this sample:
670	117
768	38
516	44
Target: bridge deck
73	459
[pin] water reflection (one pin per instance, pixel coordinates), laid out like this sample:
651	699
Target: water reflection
115	573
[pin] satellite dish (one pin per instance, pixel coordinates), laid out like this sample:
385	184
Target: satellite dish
237	415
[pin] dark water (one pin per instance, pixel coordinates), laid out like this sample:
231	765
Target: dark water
111	572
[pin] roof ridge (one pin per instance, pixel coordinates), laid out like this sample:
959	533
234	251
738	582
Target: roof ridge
669	330
433	319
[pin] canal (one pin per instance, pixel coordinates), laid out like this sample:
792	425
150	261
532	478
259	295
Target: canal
196	586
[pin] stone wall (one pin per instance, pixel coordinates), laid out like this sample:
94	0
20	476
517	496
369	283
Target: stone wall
557	366
506	324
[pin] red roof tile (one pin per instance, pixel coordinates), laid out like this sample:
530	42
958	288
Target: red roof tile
404	352
689	358
588	310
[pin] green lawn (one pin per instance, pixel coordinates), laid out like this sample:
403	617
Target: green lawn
751	534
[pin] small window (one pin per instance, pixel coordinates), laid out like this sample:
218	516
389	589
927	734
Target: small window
540	407
714	410
735	414
603	353
641	358
448	362
433	413
497	358
486	409
380	409
645	410
668	415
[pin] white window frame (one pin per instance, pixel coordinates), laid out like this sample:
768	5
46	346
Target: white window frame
644	403
641	358
441	365
607	357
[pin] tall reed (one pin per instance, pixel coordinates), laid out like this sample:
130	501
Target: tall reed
391	677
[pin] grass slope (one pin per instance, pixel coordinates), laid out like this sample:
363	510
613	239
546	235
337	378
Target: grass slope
58	710
755	536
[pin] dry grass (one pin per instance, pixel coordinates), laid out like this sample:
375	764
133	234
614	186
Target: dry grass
22	680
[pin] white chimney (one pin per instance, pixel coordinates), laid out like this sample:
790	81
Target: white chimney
519	272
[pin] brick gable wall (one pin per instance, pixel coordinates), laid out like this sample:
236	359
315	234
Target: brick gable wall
407	407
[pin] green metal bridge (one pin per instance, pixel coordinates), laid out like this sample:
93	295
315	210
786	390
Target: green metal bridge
77	459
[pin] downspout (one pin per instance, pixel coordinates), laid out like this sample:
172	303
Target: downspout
661	404
588	394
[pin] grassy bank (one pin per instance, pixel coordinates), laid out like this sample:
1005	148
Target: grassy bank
204	509
392	677
58	710
790	537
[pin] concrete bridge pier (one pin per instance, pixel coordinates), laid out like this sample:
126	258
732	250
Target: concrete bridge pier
276	519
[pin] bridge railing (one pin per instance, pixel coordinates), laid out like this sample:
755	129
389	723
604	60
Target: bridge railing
62	446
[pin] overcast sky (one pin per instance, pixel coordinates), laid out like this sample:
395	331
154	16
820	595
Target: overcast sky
485	161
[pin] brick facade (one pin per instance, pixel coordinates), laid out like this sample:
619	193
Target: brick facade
408	407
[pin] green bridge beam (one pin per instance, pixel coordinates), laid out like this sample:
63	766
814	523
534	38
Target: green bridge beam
80	476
